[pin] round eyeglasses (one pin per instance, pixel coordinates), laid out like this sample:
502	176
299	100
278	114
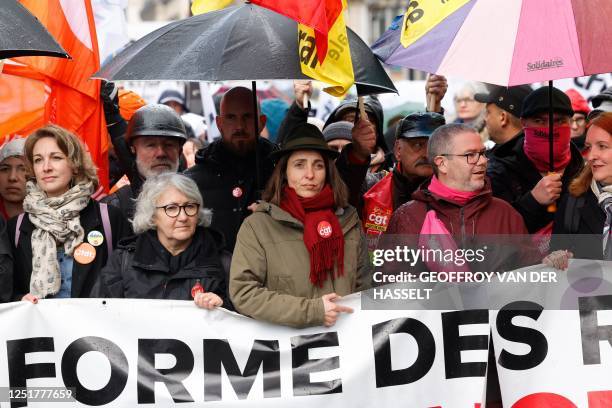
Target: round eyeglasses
173	210
471	157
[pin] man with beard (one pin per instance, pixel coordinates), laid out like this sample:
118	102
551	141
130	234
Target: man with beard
386	191
153	143
226	170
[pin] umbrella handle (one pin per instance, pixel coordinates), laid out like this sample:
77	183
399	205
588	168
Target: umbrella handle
552	207
362	111
305	101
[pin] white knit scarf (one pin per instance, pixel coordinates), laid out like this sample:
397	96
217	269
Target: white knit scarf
57	222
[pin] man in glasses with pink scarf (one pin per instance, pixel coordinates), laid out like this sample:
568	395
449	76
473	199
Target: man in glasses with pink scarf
455	209
457	200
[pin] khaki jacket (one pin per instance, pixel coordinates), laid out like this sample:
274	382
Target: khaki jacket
269	277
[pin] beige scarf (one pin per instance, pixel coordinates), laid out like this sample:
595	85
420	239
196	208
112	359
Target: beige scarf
57	221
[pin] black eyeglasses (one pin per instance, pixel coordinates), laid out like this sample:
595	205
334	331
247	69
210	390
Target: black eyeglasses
173	210
471	158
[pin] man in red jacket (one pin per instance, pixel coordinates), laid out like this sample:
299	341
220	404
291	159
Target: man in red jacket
458	193
456	206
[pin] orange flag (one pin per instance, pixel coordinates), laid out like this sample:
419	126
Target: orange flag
38	90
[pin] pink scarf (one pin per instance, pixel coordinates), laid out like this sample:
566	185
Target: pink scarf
450	194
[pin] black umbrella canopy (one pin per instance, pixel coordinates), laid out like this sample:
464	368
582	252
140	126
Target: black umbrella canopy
246	42
21	34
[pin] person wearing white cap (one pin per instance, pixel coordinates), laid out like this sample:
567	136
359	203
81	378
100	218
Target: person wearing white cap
12	178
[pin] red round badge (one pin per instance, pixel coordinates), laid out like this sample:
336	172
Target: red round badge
197	288
324	229
237	192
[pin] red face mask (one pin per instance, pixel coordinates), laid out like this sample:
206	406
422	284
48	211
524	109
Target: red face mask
536	147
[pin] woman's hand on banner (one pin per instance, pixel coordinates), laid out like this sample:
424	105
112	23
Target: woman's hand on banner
332	310
208	300
30	298
558	259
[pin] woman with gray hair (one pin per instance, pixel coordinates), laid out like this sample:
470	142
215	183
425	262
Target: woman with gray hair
174	255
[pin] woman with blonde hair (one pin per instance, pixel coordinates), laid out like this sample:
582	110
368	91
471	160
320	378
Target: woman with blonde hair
64	237
303	246
587	207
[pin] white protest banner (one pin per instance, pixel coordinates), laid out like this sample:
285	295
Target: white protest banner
129	353
588	86
556	357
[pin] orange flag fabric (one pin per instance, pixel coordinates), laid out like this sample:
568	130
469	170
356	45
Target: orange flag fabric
35	91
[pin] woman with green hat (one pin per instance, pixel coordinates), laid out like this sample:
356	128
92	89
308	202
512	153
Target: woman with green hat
303	247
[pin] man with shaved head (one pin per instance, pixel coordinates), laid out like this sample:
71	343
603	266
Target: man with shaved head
226	170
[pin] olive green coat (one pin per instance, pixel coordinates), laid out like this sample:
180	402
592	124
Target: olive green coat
269	278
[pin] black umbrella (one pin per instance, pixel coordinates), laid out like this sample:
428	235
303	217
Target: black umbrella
21	34
236	43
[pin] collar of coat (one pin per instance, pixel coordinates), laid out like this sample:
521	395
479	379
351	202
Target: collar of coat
206	243
347	216
88	217
442	205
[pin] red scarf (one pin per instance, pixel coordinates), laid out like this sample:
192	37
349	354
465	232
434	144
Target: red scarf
322	232
444	191
537	147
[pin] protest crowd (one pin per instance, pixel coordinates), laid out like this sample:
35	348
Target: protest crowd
276	218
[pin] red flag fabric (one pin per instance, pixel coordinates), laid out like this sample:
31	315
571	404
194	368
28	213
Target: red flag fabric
319	15
59	91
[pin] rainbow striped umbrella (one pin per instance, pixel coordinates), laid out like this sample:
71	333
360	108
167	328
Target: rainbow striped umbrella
504	42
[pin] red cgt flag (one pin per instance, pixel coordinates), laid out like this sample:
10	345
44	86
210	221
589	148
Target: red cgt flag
40	90
320	15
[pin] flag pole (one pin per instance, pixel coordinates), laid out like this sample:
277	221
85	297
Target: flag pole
551	154
256	127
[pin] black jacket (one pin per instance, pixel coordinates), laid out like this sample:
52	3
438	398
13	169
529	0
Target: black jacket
579	215
124	199
83	276
142	268
513	176
6	265
117	128
218	173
